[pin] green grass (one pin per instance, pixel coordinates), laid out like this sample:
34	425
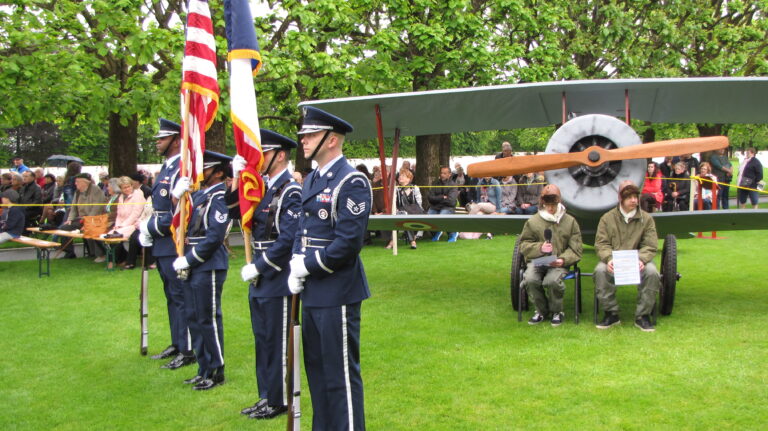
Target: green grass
441	349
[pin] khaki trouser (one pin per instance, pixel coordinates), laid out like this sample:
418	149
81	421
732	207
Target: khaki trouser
650	283
537	279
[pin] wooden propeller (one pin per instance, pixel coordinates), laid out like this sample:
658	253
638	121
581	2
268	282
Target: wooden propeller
594	156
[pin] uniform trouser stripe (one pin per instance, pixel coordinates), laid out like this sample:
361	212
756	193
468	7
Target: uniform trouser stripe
348	386
284	349
213	317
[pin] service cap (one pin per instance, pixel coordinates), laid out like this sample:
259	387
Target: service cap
274	141
168	128
316	120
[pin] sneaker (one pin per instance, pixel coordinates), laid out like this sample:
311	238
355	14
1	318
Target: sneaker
644	323
488	236
609	320
557	319
536	319
436	237
100	259
452	236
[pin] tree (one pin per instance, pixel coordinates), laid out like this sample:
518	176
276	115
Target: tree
91	63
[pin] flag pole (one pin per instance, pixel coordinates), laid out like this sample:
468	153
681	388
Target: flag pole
246	232
181	233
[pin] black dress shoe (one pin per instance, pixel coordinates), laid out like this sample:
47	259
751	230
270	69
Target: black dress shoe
254	408
169	352
179	361
210	383
268	412
194	380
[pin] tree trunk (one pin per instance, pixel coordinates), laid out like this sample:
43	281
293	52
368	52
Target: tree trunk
122	145
427	161
216	137
649	135
445	150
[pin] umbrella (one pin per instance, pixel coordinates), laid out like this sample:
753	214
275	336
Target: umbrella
59	160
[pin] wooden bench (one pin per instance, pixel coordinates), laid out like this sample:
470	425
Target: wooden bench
109	243
43	249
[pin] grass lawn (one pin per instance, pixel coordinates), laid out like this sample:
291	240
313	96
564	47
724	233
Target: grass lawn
441	349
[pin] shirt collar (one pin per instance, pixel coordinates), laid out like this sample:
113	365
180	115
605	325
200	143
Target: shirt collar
213	186
171	159
272	179
329	165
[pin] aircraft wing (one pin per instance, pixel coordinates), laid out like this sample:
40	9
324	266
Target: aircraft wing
512	224
540	104
685	222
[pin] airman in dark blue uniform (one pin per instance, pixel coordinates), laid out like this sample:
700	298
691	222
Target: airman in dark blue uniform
206	260
156	232
336	202
275	220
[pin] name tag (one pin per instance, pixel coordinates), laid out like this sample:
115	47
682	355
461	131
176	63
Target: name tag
323	197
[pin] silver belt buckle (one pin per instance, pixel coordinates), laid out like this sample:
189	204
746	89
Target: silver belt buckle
304	241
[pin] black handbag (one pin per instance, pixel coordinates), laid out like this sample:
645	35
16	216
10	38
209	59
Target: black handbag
747	182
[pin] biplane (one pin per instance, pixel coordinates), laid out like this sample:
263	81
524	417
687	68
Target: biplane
588	156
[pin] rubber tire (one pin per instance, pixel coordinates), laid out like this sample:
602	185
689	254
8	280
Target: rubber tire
669	274
516	276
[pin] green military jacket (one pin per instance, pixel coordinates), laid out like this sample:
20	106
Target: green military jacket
566	239
614	234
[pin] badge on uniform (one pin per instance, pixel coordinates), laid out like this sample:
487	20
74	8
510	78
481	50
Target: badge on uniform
323	214
163	192
292	214
221	218
355	209
323	197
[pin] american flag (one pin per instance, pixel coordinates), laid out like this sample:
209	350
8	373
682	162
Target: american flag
199	89
245	62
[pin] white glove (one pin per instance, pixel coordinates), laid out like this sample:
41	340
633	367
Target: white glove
145	240
249	273
180	263
238	165
295	284
298	269
144	228
181	187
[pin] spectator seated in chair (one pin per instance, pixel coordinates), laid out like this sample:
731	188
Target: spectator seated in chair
652	195
678	189
11	217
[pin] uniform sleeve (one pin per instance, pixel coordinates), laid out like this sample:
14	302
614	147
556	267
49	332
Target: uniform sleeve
649	243
353	208
603	246
276	258
573	253
218	221
530	244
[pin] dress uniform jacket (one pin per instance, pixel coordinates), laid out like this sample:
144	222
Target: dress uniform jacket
208	261
335	209
274	226
159	224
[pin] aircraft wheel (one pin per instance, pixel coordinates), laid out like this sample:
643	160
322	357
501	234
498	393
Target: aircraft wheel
669	274
516	276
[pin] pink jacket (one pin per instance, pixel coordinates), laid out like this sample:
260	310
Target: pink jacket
128	215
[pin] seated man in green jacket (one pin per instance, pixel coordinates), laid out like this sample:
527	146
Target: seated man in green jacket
627	227
554	236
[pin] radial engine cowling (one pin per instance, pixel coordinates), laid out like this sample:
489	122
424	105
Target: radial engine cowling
588	189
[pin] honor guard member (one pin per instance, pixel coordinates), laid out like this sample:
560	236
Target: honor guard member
156	233
336	202
206	260
274	228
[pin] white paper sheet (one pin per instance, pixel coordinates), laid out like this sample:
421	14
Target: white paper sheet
626	267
